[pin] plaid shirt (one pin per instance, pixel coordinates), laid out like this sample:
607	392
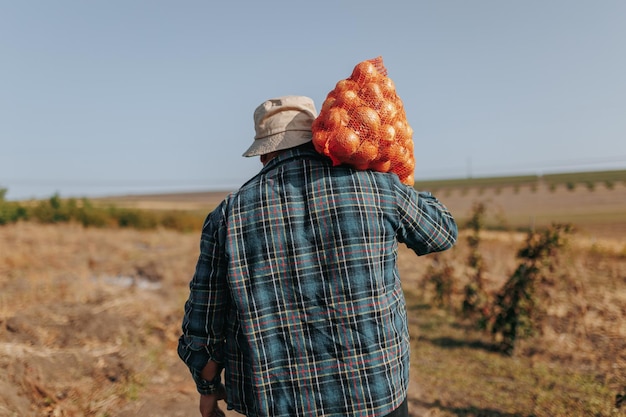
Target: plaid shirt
297	292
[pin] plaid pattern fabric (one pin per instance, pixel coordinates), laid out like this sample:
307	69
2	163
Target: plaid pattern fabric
297	291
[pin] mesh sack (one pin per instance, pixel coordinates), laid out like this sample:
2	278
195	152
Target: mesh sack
362	123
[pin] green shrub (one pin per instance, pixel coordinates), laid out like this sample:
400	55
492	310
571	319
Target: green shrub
11	212
517	306
182	221
441	274
57	210
52	210
475	297
135	219
90	217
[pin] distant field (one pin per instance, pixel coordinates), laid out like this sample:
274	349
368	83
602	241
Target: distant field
568	180
597	206
593	201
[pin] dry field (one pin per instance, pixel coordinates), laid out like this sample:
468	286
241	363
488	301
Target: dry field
89	318
598	213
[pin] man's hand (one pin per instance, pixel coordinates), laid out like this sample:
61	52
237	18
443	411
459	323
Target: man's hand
208	404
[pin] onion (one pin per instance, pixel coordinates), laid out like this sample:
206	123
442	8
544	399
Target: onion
365	119
342	143
336	117
387	135
387	111
348	99
388	87
372	95
346	84
365	72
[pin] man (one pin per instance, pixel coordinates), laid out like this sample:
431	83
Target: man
296	293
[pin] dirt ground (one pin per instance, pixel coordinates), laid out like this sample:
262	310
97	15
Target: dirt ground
89	322
90	318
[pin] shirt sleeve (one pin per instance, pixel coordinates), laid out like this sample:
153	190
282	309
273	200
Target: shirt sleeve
203	334
426	225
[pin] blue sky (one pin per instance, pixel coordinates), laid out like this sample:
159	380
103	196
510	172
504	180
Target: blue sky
127	96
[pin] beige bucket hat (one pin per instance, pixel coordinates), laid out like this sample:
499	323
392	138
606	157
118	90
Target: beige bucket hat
282	123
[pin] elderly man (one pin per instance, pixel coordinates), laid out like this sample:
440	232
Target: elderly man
296	294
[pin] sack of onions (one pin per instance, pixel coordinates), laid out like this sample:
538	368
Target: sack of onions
362	123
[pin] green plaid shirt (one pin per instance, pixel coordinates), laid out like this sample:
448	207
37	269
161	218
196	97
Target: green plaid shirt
297	292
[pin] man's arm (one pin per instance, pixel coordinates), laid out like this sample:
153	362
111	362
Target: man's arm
202	342
426	225
208	402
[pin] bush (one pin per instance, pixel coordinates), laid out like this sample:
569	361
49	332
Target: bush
136	219
182	221
11	212
517	306
475	296
441	274
90	216
57	210
52	210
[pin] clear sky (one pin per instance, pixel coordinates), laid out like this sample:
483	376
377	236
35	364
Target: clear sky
127	96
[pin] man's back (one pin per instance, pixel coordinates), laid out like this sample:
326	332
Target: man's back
317	320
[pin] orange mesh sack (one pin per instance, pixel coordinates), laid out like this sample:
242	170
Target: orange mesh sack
362	123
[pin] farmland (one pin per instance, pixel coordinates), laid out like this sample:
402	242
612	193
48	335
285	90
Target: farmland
594	201
89	317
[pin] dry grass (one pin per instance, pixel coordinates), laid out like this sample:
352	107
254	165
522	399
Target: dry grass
89	321
76	338
575	366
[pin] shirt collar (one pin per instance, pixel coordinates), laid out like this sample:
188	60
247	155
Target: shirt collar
291	154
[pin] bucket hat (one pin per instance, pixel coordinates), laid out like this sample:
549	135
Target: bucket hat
282	123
